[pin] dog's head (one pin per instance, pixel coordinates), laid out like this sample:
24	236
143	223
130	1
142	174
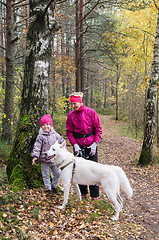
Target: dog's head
55	149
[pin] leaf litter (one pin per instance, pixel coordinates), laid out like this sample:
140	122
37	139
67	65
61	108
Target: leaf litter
31	214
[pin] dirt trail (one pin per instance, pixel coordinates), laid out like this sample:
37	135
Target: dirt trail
123	151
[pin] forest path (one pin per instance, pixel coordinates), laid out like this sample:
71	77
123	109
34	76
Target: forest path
123	151
31	214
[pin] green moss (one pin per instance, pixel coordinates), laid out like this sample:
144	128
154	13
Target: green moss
145	158
20	171
16	173
23	174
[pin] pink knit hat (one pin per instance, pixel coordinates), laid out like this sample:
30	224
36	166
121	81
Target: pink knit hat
46	119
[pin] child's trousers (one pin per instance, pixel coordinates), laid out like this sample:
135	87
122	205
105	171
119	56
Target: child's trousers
45	170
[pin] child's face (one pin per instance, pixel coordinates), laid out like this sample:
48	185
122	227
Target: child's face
46	127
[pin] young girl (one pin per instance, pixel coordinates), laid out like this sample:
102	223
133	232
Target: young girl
47	137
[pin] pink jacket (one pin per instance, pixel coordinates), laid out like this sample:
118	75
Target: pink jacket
83	121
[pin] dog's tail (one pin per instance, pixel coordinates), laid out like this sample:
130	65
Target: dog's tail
124	182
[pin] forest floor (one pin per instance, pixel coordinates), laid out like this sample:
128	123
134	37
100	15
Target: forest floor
30	214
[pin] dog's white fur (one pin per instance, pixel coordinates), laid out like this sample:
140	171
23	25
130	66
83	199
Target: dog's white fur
87	172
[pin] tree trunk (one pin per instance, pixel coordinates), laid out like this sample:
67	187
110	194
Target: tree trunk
68	79
52	81
62	62
68	44
117	86
3	36
9	88
77	48
82	77
157	117
147	147
34	102
105	94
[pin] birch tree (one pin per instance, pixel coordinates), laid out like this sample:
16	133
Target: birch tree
147	147
34	102
9	88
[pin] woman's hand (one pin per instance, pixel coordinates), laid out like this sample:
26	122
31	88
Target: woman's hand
93	148
77	149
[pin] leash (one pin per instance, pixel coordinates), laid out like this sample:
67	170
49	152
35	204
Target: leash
84	136
73	170
74	165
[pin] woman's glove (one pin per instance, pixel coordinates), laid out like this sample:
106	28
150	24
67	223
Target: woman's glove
93	148
77	149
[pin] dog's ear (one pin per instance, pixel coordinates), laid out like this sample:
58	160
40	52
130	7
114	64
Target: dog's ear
63	144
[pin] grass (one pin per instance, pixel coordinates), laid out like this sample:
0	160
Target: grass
36	213
105	111
127	130
94	217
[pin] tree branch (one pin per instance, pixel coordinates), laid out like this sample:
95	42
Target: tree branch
85	3
156	4
98	2
59	2
145	31
15	5
3	3
3	48
48	6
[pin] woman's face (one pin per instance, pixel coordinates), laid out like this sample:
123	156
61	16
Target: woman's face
46	127
76	105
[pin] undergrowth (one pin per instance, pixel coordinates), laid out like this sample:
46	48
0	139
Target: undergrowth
4	150
127	130
59	123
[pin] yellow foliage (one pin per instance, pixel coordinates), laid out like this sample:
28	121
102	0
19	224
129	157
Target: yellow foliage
61	104
138	28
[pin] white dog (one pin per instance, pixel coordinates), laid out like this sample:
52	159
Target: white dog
86	172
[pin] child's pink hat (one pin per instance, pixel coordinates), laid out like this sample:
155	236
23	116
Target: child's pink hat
46	119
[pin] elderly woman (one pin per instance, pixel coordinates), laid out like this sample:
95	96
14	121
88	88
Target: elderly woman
84	133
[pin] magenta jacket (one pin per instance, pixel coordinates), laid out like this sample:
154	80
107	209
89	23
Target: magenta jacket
83	121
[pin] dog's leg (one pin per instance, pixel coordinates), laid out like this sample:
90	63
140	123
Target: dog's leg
113	198
66	195
112	194
120	201
78	191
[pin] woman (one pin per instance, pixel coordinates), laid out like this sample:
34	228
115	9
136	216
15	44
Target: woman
84	133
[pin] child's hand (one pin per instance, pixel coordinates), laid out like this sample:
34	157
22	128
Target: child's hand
33	161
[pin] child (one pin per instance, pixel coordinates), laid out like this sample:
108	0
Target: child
47	137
